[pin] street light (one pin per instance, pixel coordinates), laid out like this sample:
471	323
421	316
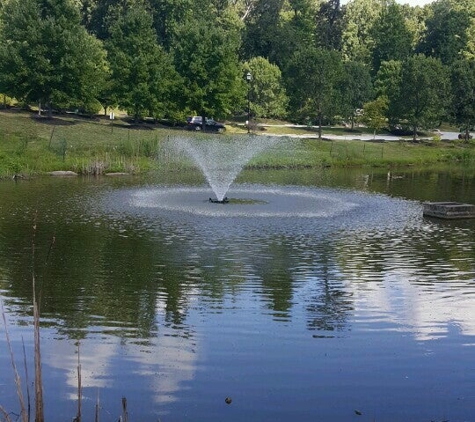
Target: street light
248	79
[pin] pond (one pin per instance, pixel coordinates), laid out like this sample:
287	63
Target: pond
313	295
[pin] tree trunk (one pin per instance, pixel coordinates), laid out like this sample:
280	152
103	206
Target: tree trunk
50	110
320	119
414	134
203	121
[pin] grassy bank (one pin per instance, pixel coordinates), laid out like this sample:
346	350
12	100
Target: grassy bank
32	145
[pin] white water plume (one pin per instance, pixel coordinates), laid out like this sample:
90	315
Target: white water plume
221	158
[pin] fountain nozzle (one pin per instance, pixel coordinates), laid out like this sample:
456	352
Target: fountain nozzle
225	200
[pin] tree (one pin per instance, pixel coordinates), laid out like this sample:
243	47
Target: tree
167	15
391	37
206	57
261	34
144	79
424	92
329	25
360	16
356	88
47	57
463	95
313	79
295	30
388	84
446	32
267	94
374	113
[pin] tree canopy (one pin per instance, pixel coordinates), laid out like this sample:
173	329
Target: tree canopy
46	55
311	59
143	73
314	75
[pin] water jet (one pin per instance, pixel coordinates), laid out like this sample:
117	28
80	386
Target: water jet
221	160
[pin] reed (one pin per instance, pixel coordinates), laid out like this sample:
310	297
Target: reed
23	414
39	405
5	414
28	396
96	418
125	414
78	416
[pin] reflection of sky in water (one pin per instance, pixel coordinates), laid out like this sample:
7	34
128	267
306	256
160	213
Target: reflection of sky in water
364	305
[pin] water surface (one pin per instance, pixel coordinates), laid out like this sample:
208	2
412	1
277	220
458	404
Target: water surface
315	296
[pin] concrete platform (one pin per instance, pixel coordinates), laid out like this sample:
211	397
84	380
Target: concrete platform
449	210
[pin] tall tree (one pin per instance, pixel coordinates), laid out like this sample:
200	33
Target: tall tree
360	16
356	88
296	30
446	34
424	92
313	78
267	94
392	39
143	75
262	30
46	56
388	84
463	94
329	25
96	14
167	15
206	56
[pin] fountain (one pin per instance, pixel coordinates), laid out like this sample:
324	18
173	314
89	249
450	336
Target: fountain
221	160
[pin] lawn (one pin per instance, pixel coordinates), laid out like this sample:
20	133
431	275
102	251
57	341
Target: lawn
30	144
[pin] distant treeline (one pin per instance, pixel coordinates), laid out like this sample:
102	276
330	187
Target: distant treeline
305	60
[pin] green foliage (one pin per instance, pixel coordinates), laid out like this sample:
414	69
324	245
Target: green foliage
356	88
261	36
172	58
329	25
392	39
267	94
206	57
295	30
388	84
424	92
314	76
463	94
360	16
446	34
46	56
142	74
374	113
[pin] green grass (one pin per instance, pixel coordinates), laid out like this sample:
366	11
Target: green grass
32	145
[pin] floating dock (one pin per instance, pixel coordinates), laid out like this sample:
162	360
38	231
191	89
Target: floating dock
449	210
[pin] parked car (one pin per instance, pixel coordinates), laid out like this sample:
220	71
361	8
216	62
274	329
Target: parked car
195	123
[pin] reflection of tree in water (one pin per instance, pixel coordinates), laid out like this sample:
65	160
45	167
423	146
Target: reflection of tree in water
274	270
329	309
329	304
93	277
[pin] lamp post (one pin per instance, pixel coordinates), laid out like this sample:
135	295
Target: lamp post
248	79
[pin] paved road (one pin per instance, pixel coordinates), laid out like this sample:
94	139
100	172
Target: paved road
367	137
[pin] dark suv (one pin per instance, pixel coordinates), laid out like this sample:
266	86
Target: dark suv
195	123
